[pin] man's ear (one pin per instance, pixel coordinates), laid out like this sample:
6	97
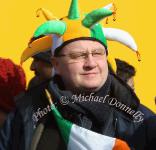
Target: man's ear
55	64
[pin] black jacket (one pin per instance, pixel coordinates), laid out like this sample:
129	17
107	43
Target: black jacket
22	132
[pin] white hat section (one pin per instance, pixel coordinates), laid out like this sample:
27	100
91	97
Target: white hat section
57	41
121	36
109	6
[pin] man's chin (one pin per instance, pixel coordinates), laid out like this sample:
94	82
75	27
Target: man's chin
91	88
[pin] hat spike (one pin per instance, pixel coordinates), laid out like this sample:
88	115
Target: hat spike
46	13
74	10
95	16
112	7
51	27
123	37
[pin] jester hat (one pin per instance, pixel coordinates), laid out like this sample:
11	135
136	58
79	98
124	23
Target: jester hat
53	33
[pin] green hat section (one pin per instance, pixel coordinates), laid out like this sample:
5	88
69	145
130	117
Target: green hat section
97	33
74	10
95	16
52	26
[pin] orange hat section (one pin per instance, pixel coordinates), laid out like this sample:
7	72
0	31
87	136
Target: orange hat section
75	30
39	45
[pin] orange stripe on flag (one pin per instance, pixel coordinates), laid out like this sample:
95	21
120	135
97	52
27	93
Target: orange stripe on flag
120	145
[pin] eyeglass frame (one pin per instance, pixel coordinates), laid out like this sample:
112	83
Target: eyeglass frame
83	54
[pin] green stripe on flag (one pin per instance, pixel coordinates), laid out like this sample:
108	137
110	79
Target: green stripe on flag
64	125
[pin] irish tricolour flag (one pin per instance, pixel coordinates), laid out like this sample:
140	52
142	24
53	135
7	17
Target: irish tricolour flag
78	138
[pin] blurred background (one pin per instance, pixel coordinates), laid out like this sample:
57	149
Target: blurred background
18	22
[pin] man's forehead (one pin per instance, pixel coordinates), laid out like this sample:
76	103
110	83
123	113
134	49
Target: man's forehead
81	45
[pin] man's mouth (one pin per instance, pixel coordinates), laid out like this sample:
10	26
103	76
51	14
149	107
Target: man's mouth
89	74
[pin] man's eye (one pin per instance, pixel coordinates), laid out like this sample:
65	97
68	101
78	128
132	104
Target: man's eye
97	53
76	55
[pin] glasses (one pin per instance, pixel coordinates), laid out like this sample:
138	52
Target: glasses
80	56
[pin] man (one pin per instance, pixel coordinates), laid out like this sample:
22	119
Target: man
42	67
82	90
32	99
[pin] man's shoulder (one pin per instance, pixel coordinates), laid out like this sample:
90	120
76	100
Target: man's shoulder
146	111
33	82
121	91
35	91
39	85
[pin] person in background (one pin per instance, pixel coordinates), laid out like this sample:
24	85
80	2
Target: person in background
12	82
42	67
125	72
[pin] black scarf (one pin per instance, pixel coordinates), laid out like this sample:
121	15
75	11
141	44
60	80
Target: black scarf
98	111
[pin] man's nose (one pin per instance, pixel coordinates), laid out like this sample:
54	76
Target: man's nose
90	61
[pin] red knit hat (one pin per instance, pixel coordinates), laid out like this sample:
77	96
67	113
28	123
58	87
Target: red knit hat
12	82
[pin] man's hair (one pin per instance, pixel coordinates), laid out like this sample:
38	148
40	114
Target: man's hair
124	70
44	56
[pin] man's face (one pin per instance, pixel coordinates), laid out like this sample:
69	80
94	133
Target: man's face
41	69
84	67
